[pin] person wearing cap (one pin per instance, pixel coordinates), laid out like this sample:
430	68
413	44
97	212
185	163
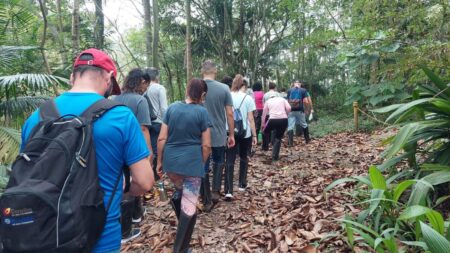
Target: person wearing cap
118	137
219	104
276	109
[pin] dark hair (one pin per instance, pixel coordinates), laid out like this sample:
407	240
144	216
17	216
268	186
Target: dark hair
81	69
272	85
195	89
151	74
227	80
257	86
238	82
283	89
245	82
133	80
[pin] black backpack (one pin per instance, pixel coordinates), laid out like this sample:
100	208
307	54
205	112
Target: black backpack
239	130
150	108
53	201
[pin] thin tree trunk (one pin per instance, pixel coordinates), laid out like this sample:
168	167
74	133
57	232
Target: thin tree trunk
188	41
148	32
76	28
241	36
62	47
155	33
44	35
99	26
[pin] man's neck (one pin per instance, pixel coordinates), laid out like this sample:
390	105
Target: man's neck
153	82
209	77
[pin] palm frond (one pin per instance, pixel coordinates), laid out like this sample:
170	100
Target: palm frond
20	106
4	176
9	144
11	54
12	85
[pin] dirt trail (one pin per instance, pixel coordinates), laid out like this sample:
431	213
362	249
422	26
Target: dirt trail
284	208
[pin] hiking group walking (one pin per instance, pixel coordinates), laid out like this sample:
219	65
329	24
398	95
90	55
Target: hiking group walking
87	162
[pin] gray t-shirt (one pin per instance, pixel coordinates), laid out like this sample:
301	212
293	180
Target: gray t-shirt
183	149
157	95
137	104
217	98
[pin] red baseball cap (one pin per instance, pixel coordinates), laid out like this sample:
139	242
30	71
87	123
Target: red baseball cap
98	58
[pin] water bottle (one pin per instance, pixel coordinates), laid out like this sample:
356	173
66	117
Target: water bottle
162	191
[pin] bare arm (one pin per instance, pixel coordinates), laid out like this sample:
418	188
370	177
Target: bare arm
264	115
142	178
307	105
162	139
147	140
206	144
230	121
252	127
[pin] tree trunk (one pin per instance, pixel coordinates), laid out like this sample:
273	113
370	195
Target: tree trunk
155	33
44	35
188	41
241	36
99	26
62	47
76	28
148	32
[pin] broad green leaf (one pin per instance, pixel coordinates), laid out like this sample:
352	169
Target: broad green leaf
433	167
436	221
338	182
377	179
350	236
361	226
386	109
435	79
401	139
405	107
441	200
401	187
436	242
413	212
375	199
416	244
391	48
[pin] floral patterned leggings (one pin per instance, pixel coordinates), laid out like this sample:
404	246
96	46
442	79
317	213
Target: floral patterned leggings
191	191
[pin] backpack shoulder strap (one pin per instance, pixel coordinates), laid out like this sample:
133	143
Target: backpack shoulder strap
242	101
97	109
48	110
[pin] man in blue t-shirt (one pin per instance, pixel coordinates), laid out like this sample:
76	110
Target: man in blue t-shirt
300	104
117	135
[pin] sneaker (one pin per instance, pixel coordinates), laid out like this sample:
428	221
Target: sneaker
135	232
241	189
228	197
139	219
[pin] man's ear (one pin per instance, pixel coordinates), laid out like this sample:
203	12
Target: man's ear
72	79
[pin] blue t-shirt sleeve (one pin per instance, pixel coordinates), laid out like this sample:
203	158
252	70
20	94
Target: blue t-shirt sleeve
167	115
28	127
205	123
135	148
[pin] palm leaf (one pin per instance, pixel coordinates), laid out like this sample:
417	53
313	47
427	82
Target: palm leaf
31	82
19	108
9	144
11	54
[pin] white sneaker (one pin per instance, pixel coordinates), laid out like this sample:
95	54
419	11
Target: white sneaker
228	196
135	232
241	189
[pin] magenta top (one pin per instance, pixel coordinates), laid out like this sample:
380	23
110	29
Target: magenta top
259	99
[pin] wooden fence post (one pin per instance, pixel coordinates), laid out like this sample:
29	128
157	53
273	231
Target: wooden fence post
355	115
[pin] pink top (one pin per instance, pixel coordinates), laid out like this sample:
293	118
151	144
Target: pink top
277	108
259	99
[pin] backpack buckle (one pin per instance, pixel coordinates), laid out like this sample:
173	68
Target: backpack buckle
81	160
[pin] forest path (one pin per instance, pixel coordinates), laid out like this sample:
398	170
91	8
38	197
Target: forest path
283	210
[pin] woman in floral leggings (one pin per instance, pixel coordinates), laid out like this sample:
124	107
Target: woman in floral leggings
183	146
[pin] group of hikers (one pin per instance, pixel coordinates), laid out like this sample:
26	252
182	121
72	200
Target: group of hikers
132	133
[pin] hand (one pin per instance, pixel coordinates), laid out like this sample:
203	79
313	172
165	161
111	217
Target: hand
159	170
231	141
254	141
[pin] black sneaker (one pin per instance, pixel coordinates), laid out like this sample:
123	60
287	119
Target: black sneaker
134	233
